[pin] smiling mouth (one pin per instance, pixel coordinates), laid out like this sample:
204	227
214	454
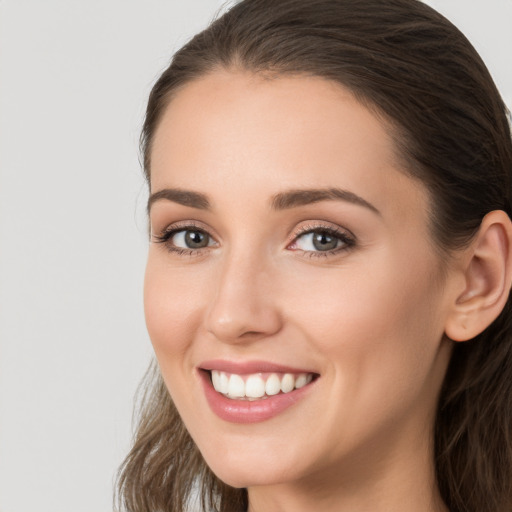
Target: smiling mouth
258	386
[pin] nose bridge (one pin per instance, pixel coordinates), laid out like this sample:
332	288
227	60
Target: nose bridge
244	304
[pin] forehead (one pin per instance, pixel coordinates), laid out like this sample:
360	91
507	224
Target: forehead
262	134
243	104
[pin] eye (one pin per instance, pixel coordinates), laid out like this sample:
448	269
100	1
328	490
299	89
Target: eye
190	239
322	240
185	240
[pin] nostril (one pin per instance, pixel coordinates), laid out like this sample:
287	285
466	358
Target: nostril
250	334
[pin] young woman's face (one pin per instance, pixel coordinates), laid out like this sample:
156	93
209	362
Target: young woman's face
291	260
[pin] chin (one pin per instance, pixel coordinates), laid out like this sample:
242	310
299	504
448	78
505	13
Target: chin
235	477
241	470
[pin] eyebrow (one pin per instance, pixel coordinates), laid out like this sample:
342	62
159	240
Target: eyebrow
302	197
183	197
280	201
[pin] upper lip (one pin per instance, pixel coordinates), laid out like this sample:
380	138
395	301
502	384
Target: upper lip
246	367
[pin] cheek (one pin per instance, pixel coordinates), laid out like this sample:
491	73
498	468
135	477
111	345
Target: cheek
380	325
172	308
375	299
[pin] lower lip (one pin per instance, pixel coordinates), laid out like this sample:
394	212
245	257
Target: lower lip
254	411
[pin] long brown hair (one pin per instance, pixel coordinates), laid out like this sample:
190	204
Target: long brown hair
410	65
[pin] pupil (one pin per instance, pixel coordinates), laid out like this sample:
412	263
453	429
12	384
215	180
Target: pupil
324	241
196	239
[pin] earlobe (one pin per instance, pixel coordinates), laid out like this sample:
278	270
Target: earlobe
487	272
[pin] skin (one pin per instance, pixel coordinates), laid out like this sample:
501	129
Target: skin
369	319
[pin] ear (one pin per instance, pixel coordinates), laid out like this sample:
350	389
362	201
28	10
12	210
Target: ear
487	273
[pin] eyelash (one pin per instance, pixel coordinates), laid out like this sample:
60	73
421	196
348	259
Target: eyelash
346	238
166	236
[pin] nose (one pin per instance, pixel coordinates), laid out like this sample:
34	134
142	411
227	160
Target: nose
244	306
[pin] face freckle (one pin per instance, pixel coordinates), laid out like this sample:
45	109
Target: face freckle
361	308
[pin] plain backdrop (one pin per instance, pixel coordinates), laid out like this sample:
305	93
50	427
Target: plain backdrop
74	77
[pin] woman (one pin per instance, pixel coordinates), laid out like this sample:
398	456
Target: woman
327	286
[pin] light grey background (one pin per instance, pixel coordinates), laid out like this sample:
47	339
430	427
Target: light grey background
74	77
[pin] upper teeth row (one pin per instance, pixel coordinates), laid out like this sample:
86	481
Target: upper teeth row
257	386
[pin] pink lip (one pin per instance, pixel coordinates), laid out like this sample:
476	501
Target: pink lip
245	367
245	411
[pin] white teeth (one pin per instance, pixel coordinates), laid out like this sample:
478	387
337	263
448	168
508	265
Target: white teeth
255	386
223	383
301	381
273	385
288	383
236	386
216	380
